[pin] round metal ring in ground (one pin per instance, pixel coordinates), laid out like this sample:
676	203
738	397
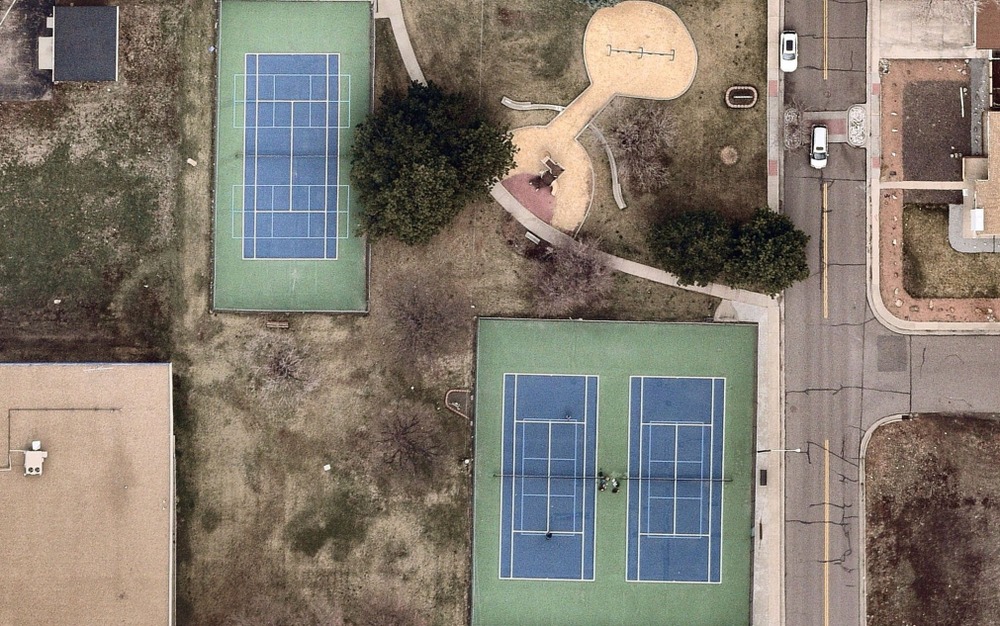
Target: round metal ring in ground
741	96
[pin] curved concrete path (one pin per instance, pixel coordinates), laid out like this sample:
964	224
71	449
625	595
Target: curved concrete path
393	11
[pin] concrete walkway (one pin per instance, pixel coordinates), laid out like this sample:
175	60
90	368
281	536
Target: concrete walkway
926	184
885	25
616	189
393	11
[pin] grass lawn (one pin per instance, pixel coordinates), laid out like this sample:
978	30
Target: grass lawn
933	269
89	181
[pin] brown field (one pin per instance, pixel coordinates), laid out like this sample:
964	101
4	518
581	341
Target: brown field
933	521
265	535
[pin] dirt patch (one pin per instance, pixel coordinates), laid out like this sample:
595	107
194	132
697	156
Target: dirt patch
935	129
254	497
933	269
515	47
89	180
921	119
933	522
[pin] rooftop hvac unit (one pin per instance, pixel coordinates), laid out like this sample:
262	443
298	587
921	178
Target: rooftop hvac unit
33	459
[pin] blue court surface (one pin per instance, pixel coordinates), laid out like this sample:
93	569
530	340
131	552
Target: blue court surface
675	486
548	468
292	121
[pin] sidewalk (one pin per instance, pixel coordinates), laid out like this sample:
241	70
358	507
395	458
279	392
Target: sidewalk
884	220
393	11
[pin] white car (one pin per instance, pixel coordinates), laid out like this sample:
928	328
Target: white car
817	150
789	51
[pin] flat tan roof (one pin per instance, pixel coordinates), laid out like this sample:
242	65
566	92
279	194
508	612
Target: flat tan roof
988	191
90	540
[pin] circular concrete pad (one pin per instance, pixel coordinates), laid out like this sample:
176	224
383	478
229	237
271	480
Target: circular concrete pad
640	49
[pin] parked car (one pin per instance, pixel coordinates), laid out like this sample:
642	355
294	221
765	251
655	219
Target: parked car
789	51
818	151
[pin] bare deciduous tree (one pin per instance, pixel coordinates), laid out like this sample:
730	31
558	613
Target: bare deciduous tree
408	441
278	368
570	278
428	314
641	133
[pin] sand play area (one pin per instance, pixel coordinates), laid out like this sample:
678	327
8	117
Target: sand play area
636	49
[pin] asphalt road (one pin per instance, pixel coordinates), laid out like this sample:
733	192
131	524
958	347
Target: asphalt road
845	371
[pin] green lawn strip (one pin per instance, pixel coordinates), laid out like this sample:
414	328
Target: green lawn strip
288	27
614	351
72	229
933	269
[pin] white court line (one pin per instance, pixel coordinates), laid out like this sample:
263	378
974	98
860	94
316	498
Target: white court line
711	428
677	443
548	483
638	545
256	149
503	450
342	230
719	414
326	150
513	481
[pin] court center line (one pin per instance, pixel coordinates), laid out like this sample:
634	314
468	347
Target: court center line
548	485
826	532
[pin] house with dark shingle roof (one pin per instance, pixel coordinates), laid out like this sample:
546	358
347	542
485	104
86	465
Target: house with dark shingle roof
83	45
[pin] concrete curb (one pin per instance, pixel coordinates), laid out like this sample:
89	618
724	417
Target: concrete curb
616	189
768	606
862	503
956	229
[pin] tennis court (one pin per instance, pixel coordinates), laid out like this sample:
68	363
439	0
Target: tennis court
550	444
613	472
291	134
294	79
675	479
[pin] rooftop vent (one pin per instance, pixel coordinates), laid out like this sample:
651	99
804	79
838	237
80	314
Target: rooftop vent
33	459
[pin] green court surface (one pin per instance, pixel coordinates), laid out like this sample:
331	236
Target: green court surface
613	352
340	30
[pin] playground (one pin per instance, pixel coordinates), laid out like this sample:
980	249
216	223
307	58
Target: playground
636	49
